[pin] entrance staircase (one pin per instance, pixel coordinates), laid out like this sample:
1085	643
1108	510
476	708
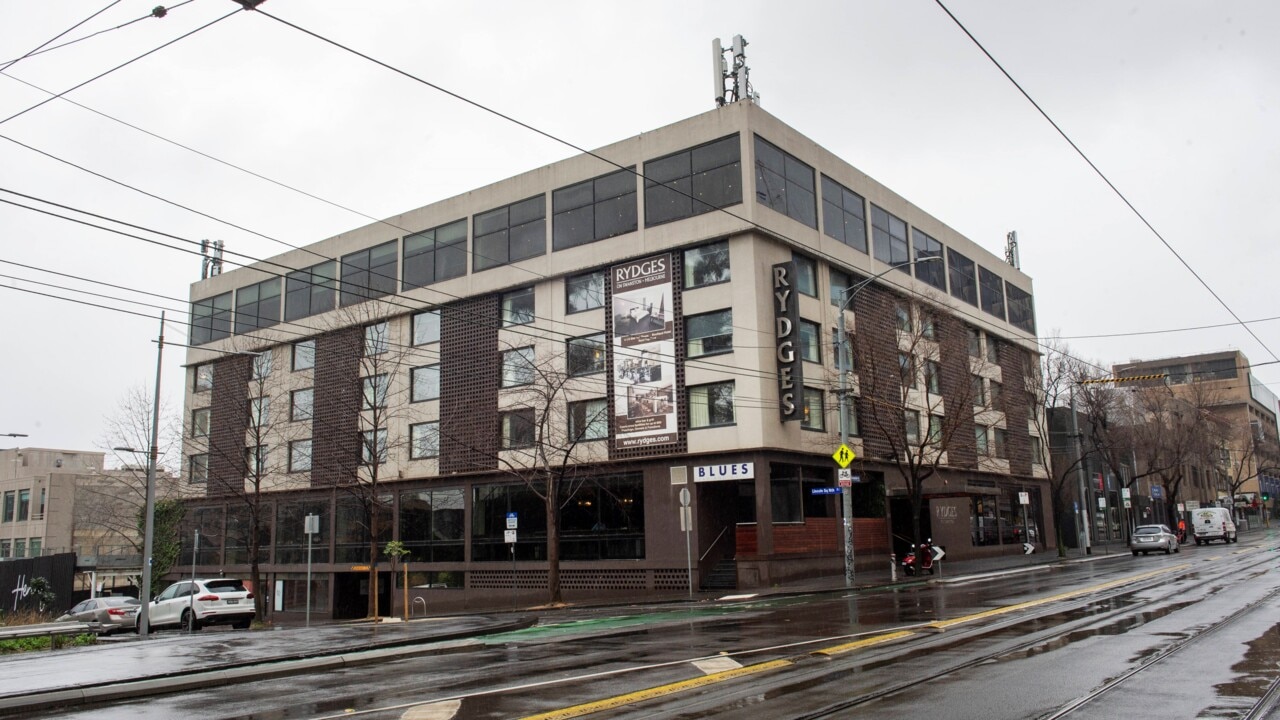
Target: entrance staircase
724	576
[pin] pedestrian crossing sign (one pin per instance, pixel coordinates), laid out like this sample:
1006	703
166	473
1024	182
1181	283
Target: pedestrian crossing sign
843	456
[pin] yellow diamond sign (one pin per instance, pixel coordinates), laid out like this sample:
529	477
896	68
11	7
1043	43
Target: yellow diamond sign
843	456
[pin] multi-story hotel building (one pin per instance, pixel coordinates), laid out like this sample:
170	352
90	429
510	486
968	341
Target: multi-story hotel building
655	317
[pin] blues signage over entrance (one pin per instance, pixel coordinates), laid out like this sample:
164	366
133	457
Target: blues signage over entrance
728	471
786	325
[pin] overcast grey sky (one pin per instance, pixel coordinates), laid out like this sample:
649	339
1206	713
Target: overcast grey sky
1176	101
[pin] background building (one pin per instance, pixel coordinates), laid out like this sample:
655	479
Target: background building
657	316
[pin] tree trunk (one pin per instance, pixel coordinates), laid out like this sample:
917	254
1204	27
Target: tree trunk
553	541
373	558
255	573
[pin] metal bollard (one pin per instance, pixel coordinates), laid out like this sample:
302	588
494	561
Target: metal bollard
893	568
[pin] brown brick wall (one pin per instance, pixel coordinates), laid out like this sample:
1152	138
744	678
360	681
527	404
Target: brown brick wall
876	360
1016	408
957	392
470	372
228	421
335	444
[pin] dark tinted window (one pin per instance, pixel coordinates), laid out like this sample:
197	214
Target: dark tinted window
964	280
594	210
369	273
992	292
310	291
933	272
785	183
258	306
1022	314
843	214
436	254
211	319
225	585
508	234
693	181
889	238
584	292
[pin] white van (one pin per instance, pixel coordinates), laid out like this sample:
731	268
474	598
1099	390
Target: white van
1210	524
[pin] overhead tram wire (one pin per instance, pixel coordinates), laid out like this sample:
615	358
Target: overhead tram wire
1107	180
38	48
117	67
764	230
159	11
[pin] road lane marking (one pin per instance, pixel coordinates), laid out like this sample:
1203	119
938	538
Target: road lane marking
716	664
944	624
656	692
444	710
865	642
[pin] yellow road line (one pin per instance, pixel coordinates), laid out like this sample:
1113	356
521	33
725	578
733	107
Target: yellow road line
865	642
944	624
659	691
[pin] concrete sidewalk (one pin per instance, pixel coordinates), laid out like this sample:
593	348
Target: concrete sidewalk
171	662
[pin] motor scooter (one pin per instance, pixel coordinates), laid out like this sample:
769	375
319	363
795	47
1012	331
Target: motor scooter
920	559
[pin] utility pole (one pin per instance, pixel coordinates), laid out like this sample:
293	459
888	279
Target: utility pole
1084	510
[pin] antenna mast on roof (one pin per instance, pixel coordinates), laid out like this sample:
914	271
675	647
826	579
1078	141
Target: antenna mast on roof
731	82
211	260
1011	249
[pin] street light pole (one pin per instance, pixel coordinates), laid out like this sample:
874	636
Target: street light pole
842	355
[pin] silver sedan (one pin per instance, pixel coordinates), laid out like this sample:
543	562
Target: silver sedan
1149	538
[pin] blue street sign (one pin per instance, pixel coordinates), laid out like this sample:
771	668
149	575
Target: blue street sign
825	491
1157	492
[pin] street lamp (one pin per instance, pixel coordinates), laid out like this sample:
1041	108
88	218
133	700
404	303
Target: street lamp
144	625
846	498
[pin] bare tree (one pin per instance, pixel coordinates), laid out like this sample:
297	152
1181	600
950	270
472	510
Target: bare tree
1171	432
1247	450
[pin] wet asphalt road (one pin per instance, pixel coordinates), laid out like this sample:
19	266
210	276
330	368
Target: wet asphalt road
1027	670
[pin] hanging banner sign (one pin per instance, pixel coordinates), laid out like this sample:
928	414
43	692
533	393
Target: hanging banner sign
786	331
644	350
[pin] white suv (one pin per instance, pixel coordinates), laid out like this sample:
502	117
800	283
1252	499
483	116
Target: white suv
192	604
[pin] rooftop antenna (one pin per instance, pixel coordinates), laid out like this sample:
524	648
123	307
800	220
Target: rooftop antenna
1011	249
211	258
731	80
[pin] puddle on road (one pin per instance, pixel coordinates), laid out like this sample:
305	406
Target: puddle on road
1259	668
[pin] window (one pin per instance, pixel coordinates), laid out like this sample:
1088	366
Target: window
594	210
310	291
517	307
911	427
24	505
376	339
933	377
814	417
975	343
425	383
426	327
300	404
304	355
256	461
20	547
200	423
517	429
889	239
980	439
806	275
259	411
706	265
584	292
992	292
586	355
998	442
369	273
997	395
376	389
907	369
589	420
711	405
844	215
33	547
6	547
9	498
902	318
434	255
373	446
693	181
258	305
841	282
842	351
517	367
197	472
261	366
508	234
933	272
44	493
211	319
785	184
1022	314
935	430
979	390
432	524
300	456
709	334
928	326
1037	451
204	378
964	280
810	345
993	349
791	497
424	440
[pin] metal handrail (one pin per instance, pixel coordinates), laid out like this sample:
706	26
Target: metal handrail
710	547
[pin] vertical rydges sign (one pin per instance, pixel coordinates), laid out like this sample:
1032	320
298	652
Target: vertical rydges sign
644	377
786	325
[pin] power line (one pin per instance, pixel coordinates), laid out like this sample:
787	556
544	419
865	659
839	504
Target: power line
1107	180
36	49
158	11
